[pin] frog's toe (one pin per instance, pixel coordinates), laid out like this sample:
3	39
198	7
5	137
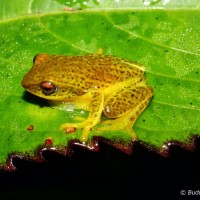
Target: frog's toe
71	128
85	134
132	133
68	128
115	125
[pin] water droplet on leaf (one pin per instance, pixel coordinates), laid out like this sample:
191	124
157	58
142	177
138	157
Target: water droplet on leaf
150	2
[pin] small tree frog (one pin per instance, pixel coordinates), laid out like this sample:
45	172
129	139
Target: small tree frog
94	82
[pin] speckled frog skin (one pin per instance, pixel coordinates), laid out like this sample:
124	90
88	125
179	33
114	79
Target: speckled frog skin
94	82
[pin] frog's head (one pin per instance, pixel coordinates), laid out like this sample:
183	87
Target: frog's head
45	79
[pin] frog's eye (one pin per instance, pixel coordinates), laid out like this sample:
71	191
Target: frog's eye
48	87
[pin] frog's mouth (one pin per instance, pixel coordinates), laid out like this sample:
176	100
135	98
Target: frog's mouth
31	89
26	84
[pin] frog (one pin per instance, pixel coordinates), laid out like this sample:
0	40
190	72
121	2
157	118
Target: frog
103	85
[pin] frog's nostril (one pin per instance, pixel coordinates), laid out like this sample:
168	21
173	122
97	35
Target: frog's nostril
24	84
48	87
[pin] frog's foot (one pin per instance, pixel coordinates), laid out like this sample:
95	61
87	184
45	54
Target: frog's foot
124	107
117	125
95	110
72	127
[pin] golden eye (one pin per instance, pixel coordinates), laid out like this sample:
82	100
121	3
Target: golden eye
48	87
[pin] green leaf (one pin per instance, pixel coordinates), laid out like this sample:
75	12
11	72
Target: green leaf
166	41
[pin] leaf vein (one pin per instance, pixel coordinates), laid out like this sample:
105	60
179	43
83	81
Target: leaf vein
177	106
149	40
172	77
61	38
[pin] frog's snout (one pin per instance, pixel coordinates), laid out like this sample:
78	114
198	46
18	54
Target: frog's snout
27	85
24	83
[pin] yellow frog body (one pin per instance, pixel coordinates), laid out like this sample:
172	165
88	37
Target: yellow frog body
94	82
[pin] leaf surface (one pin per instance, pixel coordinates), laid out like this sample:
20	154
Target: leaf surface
165	41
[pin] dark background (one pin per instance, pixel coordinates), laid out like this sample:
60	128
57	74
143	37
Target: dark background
107	174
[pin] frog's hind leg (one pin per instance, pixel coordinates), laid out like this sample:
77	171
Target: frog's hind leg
124	107
94	104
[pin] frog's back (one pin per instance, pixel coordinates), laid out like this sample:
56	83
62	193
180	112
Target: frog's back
94	70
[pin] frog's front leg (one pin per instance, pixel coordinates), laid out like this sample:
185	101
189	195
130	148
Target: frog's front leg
93	102
125	106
